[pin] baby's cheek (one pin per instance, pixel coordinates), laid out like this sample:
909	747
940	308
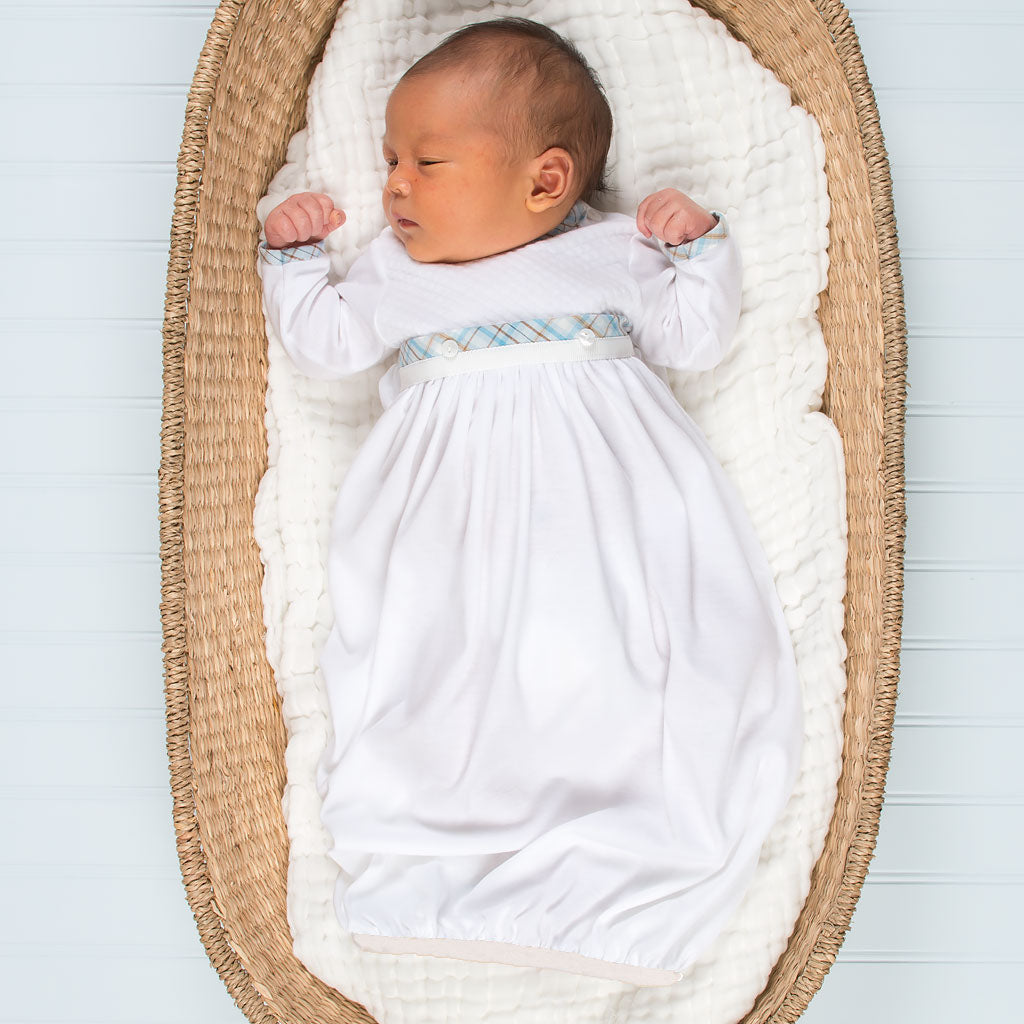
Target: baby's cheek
447	202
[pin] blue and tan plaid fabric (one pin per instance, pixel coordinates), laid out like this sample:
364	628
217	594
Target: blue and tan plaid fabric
689	250
275	257
573	219
518	332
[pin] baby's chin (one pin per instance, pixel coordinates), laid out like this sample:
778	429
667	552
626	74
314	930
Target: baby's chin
417	248
418	255
423	251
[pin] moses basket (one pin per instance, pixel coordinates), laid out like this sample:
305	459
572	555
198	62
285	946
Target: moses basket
225	734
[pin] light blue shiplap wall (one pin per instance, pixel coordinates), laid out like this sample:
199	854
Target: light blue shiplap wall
95	924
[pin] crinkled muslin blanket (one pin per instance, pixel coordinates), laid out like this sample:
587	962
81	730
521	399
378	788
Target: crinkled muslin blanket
692	110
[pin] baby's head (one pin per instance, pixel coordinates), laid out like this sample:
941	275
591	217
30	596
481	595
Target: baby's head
490	138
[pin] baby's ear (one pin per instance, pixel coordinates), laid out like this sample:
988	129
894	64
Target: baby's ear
554	175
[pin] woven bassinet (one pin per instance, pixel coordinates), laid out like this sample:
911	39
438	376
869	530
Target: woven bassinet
225	733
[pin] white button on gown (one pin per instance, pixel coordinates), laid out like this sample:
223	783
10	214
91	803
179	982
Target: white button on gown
564	698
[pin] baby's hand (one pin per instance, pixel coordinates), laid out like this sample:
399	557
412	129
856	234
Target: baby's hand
307	217
673	217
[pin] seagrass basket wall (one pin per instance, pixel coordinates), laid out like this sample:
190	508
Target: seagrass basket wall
225	735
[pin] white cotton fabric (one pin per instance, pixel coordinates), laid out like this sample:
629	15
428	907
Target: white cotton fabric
726	133
563	696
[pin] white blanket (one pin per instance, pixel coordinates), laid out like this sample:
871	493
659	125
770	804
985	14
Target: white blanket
693	110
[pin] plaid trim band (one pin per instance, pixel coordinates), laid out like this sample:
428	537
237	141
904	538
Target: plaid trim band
518	332
573	219
690	250
276	257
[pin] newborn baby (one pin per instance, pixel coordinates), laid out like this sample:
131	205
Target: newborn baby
564	700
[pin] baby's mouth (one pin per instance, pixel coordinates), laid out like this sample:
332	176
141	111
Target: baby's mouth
404	222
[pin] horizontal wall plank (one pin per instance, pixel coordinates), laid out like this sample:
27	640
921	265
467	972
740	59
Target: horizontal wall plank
970	452
150	914
962	527
99	987
80	441
939	296
949	132
53	125
128	8
119	753
978	605
964	683
942	218
955	764
949	373
928	844
90	520
79	360
50	674
89	203
954	923
908	993
162	47
920	54
127	282
116	597
117	831
949	12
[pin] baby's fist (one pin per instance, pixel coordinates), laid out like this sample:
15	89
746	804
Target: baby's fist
307	217
673	217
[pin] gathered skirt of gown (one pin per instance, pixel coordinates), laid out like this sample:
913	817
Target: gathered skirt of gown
563	695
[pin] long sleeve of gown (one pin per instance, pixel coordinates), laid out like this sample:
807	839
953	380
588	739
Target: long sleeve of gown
327	329
690	296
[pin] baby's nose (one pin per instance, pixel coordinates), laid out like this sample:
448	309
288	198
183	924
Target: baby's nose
398	185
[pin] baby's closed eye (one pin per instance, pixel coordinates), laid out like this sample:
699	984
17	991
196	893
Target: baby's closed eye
421	163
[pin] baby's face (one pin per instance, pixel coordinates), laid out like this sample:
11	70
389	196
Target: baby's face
451	195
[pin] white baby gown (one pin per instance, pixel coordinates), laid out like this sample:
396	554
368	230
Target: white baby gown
564	699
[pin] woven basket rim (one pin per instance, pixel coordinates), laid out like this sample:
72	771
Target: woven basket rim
805	977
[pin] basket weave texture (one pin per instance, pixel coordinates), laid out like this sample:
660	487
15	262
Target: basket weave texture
225	734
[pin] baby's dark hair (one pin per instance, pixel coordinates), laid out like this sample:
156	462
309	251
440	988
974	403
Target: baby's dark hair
563	100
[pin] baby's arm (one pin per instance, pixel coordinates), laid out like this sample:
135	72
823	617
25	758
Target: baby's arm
688	269
326	329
